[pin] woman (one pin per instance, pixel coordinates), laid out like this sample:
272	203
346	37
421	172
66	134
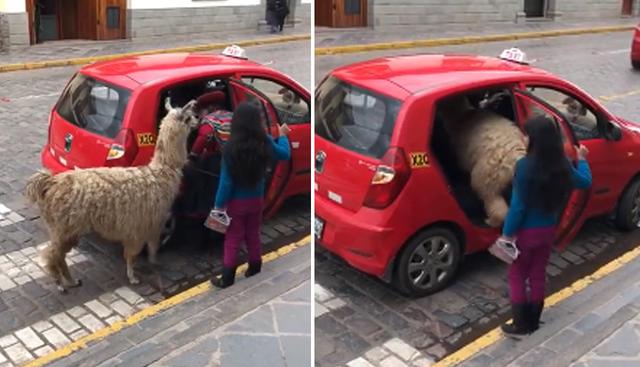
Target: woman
245	159
543	181
277	11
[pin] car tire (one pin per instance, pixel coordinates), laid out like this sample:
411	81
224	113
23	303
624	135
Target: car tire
635	64
418	271
628	213
168	231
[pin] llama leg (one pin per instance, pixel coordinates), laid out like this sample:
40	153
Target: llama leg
53	257
131	250
484	184
64	268
152	248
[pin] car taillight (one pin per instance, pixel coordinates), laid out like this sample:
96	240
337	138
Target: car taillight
391	175
123	150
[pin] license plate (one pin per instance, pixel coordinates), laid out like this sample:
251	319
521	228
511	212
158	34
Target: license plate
318	226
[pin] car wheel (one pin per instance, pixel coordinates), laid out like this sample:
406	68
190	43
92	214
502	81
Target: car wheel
628	213
635	64
168	230
428	262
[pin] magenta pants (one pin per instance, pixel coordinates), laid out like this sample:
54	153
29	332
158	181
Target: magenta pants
246	218
535	248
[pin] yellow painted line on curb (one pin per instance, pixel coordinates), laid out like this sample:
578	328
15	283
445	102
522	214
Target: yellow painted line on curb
326	51
619	96
153	310
496	335
87	60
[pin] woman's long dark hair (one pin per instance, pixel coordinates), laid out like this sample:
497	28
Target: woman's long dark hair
247	152
550	179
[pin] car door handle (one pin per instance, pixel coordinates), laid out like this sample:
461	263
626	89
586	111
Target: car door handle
295	144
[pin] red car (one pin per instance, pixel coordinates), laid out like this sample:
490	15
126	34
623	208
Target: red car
635	49
389	197
109	112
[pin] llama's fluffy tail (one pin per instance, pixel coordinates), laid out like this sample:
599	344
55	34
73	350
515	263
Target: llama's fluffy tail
37	186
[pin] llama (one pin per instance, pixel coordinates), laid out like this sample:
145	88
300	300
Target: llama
121	204
487	146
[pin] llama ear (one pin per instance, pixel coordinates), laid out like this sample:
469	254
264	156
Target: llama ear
167	104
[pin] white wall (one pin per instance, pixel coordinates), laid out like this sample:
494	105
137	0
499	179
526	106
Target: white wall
307	1
164	4
13	6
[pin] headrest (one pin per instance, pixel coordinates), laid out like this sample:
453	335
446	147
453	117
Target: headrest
212	98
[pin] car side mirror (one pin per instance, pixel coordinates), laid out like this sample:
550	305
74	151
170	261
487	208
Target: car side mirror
613	131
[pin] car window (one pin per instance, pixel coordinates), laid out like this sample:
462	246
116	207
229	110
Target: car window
290	106
94	106
354	118
582	120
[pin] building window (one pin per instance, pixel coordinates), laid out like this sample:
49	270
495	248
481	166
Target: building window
352	7
113	17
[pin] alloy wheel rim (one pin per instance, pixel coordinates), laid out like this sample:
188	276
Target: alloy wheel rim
431	262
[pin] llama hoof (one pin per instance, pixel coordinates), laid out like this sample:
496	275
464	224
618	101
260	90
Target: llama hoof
492	223
134	280
76	283
153	260
61	289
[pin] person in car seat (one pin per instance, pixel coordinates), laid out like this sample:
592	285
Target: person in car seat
245	160
543	181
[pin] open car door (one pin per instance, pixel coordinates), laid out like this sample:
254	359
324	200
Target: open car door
279	172
570	221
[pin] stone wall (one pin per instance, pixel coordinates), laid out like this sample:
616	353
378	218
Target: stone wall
426	12
4	32
589	9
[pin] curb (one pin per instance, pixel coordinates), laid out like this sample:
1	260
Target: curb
154	309
91	59
327	51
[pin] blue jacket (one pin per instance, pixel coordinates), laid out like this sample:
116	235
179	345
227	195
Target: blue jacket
228	191
520	216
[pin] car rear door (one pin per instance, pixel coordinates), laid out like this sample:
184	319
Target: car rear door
571	218
281	171
85	122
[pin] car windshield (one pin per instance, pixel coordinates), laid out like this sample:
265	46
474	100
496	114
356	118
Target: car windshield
354	118
93	105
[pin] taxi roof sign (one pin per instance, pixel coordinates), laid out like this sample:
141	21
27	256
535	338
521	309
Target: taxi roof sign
514	54
235	51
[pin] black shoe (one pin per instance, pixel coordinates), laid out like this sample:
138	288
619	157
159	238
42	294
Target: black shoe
227	279
253	269
535	311
520	325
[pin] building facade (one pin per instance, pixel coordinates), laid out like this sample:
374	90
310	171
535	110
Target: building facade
24	22
382	13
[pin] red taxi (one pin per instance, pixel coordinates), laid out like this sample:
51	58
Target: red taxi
635	48
109	112
389	197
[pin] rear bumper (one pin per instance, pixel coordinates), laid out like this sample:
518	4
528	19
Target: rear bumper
50	162
366	247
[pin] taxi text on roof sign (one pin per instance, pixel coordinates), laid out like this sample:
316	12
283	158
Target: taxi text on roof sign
514	54
235	51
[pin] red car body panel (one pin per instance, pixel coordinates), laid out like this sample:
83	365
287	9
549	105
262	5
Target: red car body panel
370	239
145	77
635	46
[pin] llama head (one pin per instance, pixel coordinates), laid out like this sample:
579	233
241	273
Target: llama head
171	146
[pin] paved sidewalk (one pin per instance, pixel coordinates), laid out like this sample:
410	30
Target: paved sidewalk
598	326
260	321
68	49
333	37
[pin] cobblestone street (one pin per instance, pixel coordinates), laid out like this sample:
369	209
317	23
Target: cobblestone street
361	322
34	317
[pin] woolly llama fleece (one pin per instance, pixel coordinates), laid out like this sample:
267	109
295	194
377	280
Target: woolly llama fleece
487	145
121	204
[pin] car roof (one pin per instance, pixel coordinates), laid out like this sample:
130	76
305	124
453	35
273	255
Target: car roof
417	73
134	71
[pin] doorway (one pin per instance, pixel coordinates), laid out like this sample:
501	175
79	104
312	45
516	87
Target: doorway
341	13
627	7
76	19
534	8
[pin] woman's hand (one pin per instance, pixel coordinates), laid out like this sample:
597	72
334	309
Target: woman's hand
582	152
284	130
